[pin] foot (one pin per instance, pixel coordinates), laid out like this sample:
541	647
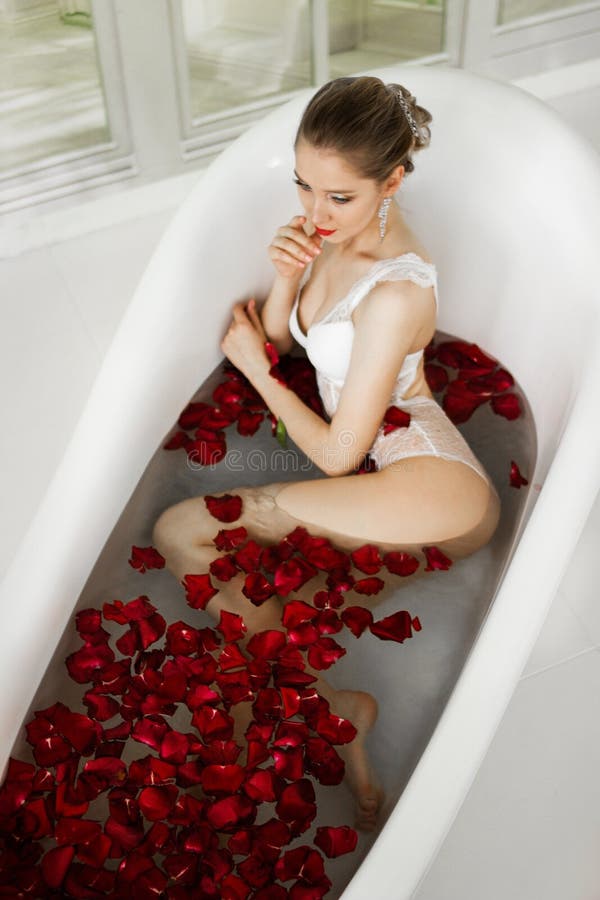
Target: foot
361	709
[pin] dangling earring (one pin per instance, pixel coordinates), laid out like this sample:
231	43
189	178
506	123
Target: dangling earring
383	214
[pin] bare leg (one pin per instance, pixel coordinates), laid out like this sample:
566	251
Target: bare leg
358	706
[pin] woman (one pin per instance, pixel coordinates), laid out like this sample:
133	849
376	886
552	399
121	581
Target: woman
354	286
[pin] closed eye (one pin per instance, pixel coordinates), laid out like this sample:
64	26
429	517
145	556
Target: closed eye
305	187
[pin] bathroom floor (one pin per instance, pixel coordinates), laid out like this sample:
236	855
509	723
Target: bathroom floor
529	828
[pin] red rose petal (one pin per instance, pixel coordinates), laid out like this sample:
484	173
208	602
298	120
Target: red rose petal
231	626
336	841
292	574
226	779
436	559
297	802
324	653
226	508
436	377
323	761
230	538
230	812
367	559
144	558
157	802
248	556
396	627
263	785
266	644
223	568
369	586
335	729
256	588
199	590
516	479
400	563
506	405
55	864
248	423
328	599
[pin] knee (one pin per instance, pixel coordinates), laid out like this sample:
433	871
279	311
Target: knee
167	529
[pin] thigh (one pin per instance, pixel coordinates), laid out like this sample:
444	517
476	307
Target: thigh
410	503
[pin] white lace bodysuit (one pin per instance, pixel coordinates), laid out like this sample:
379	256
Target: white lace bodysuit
328	345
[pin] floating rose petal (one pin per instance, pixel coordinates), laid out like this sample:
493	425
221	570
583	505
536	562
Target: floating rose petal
231	626
199	590
55	865
230	812
289	762
396	627
328	599
222	779
506	405
436	377
87	661
369	586
516	479
323	761
150	730
460	402
329	622
266	644
336	841
324	653
100	707
335	729
223	568
174	747
297	803
248	556
234	888
76	831
248	423
230	538
256	588
226	508
232	658
302	862
292	574
263	785
157	802
367	559
144	558
436	559
400	563
213	723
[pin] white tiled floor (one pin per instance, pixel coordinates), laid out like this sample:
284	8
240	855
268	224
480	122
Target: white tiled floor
529	828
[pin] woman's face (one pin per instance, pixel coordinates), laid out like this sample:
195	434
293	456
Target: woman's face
334	196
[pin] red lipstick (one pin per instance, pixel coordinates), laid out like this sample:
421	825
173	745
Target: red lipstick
324	233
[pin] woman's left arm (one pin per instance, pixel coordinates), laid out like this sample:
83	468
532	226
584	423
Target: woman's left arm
391	315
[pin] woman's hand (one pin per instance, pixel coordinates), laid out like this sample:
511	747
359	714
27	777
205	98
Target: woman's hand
244	341
292	249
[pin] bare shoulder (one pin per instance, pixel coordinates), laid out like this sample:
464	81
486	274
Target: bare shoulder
400	299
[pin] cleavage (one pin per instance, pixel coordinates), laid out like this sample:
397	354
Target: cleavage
311	282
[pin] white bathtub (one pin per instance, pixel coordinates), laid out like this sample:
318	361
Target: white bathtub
507	200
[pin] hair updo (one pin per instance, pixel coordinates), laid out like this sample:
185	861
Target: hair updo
362	119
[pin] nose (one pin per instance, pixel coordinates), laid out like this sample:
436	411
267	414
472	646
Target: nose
320	215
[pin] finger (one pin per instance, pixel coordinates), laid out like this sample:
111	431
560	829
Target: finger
295	248
239	311
312	243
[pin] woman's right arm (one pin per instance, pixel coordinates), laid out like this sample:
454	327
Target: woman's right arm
288	251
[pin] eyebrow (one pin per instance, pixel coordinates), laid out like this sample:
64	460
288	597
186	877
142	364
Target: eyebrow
327	192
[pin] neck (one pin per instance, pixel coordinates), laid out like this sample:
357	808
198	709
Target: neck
368	243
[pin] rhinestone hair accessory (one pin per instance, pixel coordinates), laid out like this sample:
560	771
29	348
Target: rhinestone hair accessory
404	104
